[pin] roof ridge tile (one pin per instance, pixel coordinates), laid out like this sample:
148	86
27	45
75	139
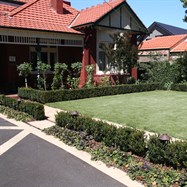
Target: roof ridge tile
21	8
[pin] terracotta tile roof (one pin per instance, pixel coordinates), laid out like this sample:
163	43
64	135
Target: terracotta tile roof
182	47
164	42
94	13
38	15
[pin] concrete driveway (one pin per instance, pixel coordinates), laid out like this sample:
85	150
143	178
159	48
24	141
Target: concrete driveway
26	160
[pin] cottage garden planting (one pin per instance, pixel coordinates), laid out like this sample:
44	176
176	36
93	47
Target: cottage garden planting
148	159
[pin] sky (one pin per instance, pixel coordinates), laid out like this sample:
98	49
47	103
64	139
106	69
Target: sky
165	11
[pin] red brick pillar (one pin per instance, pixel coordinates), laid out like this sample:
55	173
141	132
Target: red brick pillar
134	73
85	62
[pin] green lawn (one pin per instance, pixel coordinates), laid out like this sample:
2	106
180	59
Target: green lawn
156	111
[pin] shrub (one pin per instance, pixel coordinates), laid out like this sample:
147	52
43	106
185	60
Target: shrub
163	72
131	140
11	113
167	153
32	108
74	77
179	87
42	68
73	94
127	139
59	75
156	150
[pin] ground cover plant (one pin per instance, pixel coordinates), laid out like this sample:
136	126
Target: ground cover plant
156	111
137	168
17	115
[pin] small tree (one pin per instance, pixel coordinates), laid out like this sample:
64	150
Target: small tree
74	77
42	69
123	55
185	6
24	70
58	82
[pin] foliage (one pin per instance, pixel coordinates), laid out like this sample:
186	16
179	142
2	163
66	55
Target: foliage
19	116
90	71
74	77
36	110
162	72
179	87
104	82
131	80
167	153
73	94
24	70
136	167
125	54
182	63
185	6
42	68
60	69
155	175
126	139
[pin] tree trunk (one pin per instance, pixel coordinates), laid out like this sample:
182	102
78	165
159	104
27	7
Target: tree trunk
26	85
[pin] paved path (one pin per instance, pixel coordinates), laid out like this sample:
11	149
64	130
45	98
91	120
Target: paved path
30	158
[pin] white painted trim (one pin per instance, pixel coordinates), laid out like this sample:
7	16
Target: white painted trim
13	141
40	34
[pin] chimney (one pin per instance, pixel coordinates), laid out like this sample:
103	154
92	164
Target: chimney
57	5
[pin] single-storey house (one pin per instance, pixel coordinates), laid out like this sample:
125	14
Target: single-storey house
163	48
53	31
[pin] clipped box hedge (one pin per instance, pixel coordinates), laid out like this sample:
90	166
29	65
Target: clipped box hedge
127	139
172	153
179	87
32	108
73	94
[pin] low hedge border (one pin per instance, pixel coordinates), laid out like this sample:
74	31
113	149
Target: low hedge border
172	154
73	94
36	110
127	139
17	115
179	87
137	168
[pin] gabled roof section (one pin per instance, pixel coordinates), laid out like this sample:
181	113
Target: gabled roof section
94	13
163	42
167	29
39	15
182	47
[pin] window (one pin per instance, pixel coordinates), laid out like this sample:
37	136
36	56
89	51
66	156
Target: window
102	61
48	56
